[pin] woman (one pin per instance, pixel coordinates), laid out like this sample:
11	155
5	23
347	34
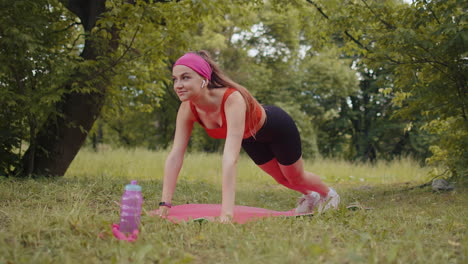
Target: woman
227	110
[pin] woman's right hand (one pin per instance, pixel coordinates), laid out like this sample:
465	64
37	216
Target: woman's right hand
163	211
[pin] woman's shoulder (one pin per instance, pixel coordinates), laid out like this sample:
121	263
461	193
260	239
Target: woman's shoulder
186	112
233	96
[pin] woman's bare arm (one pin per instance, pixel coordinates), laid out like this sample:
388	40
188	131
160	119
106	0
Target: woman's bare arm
174	160
235	109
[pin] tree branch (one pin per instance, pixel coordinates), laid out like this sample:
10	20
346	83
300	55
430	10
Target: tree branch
388	25
318	8
115	62
68	27
356	41
345	32
461	86
432	12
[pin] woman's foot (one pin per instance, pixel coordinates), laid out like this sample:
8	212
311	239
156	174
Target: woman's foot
307	203
332	200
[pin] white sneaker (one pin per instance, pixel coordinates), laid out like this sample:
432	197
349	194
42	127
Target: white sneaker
307	203
330	201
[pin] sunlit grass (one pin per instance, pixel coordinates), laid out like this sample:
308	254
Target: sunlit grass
148	165
67	220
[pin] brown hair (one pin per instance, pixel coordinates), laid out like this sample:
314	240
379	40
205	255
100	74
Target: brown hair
220	80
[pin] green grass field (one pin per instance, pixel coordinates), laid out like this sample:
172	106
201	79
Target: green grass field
68	220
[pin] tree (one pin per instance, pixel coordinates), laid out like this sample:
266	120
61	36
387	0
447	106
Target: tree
302	71
118	39
35	63
424	46
231	38
213	32
266	52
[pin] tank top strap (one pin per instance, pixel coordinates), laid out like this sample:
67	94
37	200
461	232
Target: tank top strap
227	93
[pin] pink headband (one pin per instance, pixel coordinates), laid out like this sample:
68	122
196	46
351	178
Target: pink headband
196	63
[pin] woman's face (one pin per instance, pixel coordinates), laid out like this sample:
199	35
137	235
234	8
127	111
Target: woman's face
187	83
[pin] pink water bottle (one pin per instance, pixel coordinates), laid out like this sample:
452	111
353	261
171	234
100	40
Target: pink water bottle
131	208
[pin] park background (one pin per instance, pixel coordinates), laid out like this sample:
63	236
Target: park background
378	90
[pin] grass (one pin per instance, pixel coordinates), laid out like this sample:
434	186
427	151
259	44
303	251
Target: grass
67	220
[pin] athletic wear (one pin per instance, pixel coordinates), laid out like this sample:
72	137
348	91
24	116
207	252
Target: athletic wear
196	63
307	203
330	201
221	132
278	138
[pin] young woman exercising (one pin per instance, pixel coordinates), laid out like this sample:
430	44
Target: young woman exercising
225	109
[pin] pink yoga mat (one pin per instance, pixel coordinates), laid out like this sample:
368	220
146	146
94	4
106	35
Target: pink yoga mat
242	214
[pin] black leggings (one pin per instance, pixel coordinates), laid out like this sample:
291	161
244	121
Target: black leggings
278	138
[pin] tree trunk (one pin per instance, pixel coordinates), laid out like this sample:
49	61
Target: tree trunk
62	136
361	120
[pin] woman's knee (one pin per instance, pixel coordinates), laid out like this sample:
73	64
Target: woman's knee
273	169
297	180
294	173
282	181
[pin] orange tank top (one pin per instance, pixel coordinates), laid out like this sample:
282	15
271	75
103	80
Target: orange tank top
221	132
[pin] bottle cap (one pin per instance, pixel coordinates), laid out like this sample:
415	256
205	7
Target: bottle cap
133	186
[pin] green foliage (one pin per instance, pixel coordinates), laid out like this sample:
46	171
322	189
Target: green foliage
429	51
35	62
423	45
48	53
141	108
271	54
451	151
325	82
287	70
341	71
